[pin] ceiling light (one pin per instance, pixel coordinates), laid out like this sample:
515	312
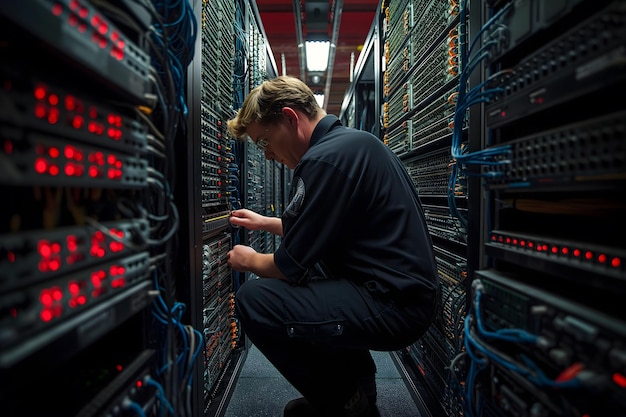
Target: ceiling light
317	55
320	99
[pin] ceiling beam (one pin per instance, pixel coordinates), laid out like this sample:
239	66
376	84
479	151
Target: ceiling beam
333	49
297	13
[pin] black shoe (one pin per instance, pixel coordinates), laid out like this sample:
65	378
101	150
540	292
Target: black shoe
300	407
368	385
357	406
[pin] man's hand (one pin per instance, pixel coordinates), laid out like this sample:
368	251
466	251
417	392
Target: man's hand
247	218
254	221
240	258
245	259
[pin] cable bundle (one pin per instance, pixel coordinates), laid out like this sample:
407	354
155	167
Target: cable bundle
465	99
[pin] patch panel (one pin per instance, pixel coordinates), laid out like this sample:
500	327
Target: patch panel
38	255
574	352
42	106
31	158
571	155
573	259
586	59
78	30
34	316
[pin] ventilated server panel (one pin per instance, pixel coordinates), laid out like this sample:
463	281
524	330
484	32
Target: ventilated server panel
544	331
421	48
79	243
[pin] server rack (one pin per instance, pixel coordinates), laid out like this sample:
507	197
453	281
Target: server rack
91	106
233	57
420	81
545	330
505	115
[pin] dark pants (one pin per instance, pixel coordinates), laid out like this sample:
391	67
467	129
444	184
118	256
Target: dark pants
319	334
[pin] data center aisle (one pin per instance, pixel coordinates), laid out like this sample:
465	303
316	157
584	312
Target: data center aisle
262	392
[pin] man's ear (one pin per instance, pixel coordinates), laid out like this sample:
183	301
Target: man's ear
290	114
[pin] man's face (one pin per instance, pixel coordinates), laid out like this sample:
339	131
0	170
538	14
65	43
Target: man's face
278	141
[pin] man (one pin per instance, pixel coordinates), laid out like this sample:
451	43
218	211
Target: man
355	269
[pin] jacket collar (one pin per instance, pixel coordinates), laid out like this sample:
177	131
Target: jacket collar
328	123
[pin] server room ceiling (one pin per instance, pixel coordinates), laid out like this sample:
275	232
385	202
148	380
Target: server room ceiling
282	31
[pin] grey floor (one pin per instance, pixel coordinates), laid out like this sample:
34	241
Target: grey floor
262	392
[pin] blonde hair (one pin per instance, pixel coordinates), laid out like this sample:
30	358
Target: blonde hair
265	102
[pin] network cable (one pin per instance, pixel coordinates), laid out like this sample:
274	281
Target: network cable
466	99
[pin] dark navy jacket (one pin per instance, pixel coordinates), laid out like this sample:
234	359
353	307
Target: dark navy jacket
354	211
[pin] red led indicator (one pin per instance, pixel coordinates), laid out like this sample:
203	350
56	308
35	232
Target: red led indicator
73	4
69	152
74	288
57	294
70	169
555	250
116	246
588	255
96	128
73	20
53	170
57	9
139	384
577	253
72	243
45	298
117	270
118	283
54	264
616	262
522	243
53	99
8	147
565	251
119	368
78	122
619	379
46	315
602	258
53	116
44	248
70	103
103	28
40	92
41	165
40	110
83	12
97	278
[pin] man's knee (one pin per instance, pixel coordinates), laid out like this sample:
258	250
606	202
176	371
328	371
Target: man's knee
243	299
256	298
